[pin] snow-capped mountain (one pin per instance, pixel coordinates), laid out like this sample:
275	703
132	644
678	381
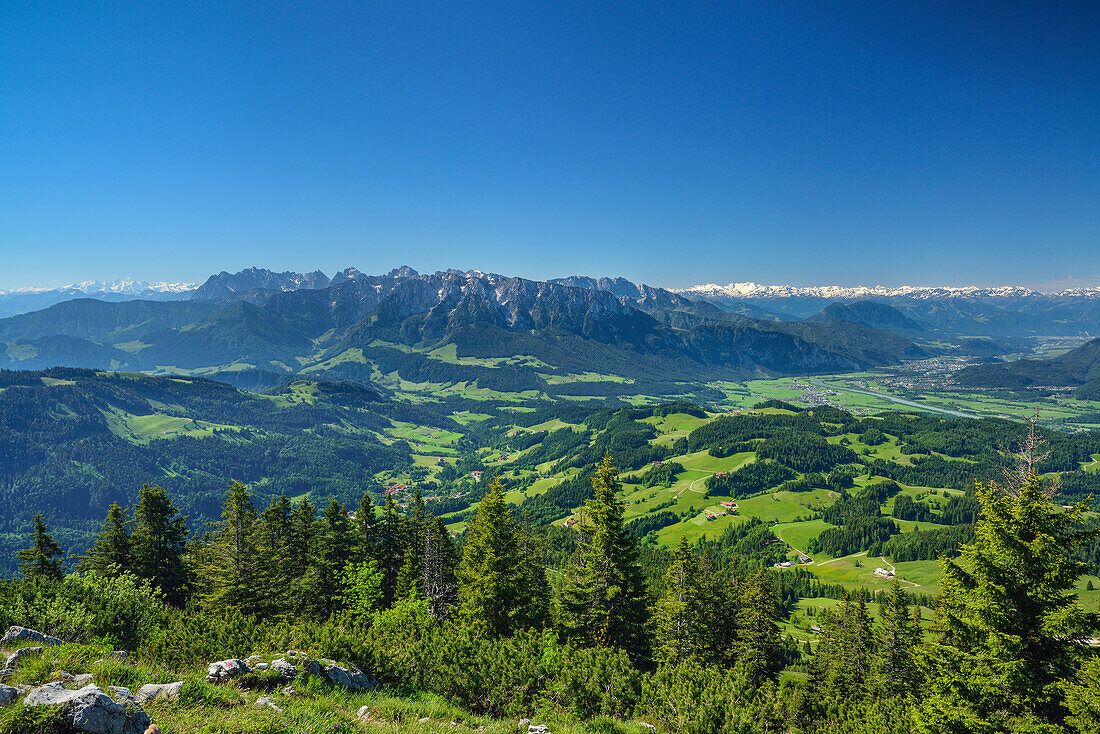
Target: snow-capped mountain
22	300
124	286
751	290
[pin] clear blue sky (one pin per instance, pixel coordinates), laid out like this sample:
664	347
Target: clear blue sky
673	143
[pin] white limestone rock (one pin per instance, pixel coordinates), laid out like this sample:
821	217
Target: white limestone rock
351	677
285	667
90	710
22	634
19	654
159	692
226	669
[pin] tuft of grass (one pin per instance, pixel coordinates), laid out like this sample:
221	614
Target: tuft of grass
197	692
261	680
20	719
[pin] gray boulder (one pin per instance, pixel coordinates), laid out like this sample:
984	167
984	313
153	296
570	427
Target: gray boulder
90	709
8	695
226	669
285	668
159	691
266	703
22	634
351	678
117	692
82	680
21	653
538	729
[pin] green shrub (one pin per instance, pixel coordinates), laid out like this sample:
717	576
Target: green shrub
694	699
119	610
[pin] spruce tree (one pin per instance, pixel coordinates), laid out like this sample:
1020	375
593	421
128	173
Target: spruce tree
111	553
408	578
677	626
366	526
719	612
858	643
536	588
274	535
604	596
335	548
898	635
159	542
438	584
303	533
1011	631
1083	698
759	645
300	551
43	559
490	574
231	571
391	547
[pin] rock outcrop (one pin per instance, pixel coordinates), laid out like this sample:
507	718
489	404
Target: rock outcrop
284	667
91	710
8	695
23	652
159	691
120	692
226	669
351	678
22	634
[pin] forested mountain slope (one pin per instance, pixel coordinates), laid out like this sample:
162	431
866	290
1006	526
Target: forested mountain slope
74	441
1079	368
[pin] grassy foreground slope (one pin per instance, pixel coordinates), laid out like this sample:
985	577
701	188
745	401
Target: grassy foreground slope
313	706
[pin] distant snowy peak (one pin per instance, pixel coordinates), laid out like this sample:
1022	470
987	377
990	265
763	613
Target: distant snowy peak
842	293
125	286
129	286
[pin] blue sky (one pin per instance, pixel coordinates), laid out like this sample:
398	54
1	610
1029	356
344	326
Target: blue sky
672	143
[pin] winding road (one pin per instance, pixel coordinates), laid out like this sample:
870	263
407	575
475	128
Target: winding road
692	485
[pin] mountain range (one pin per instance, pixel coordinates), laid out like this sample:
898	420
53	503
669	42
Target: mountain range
514	333
23	300
844	293
357	326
